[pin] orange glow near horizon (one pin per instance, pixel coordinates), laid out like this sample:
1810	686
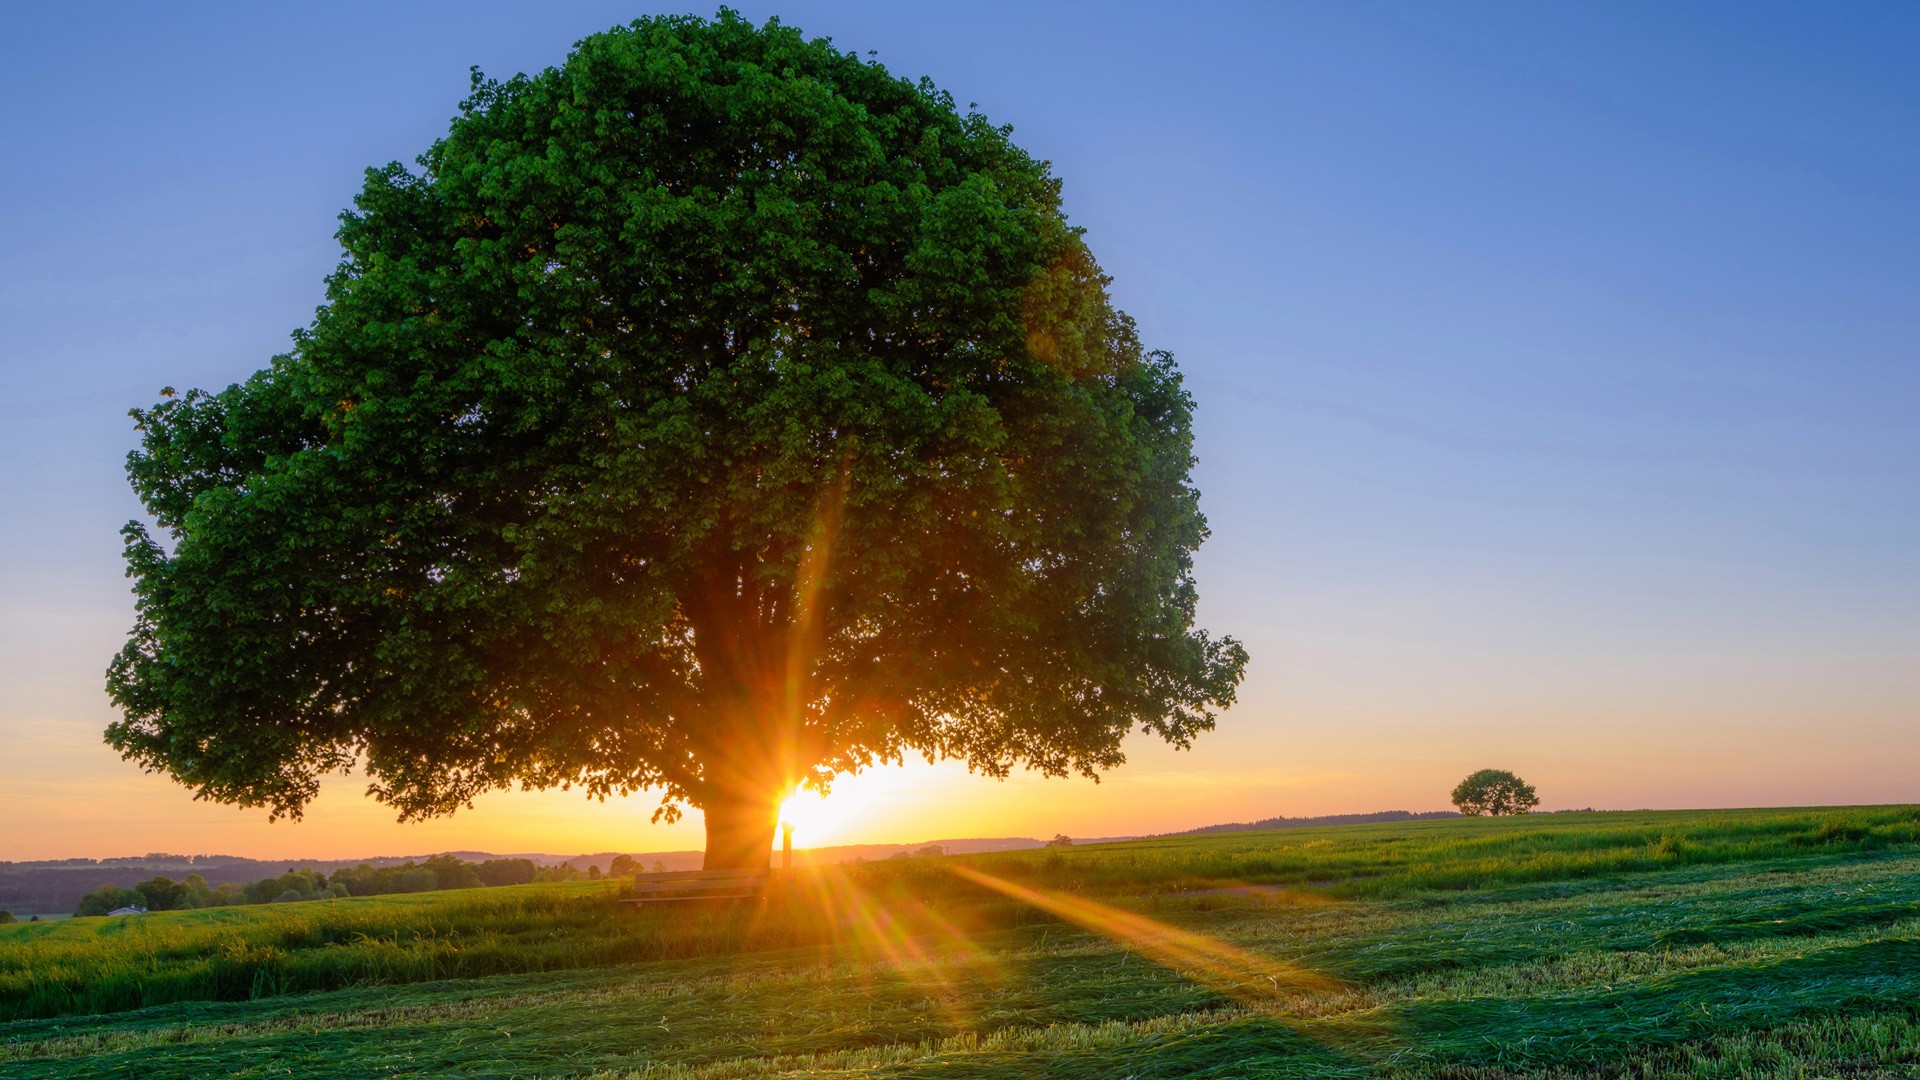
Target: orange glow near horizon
1281	751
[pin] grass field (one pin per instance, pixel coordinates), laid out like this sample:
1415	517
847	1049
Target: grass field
1759	943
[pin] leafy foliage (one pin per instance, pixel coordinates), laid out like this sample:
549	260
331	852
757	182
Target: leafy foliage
713	412
108	898
162	893
1495	793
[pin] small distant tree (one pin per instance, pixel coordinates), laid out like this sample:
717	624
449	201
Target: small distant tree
107	898
195	892
931	850
362	880
506	871
7	917
451	872
307	883
161	894
418	879
622	866
1494	793
1060	840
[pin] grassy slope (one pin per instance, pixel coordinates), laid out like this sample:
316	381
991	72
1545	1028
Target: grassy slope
1748	943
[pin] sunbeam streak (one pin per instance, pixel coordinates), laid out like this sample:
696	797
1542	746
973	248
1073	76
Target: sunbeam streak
914	941
1245	976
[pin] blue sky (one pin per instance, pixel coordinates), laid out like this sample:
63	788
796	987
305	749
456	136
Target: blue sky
1559	404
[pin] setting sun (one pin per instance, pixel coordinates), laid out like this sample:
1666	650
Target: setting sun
811	816
883	803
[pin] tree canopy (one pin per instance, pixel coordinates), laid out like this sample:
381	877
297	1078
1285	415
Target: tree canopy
1494	793
712	413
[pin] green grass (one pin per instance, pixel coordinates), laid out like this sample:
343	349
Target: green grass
1702	944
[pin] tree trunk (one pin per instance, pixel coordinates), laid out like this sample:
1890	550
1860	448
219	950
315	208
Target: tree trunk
740	830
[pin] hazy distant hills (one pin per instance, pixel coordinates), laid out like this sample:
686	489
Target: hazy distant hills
1309	822
55	886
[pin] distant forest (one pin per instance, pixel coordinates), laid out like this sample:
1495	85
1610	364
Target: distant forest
439	872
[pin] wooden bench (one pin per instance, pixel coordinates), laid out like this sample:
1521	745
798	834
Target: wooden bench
699	885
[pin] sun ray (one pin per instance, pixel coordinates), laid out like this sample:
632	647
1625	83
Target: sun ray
913	941
1239	973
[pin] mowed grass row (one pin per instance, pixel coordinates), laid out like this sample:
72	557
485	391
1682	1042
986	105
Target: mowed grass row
92	966
1806	967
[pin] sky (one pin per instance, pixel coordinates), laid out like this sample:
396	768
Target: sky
1558	397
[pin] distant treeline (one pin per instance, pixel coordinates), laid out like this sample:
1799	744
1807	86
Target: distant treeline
438	872
46	886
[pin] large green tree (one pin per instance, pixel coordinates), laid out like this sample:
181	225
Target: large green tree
713	413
